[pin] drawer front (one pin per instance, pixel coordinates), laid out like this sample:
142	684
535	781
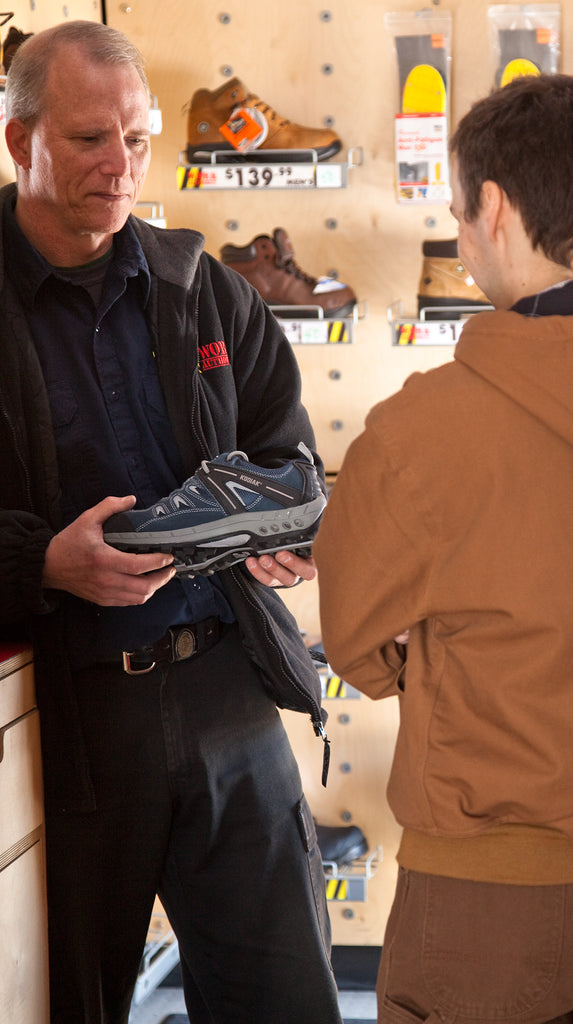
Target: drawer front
16	694
21	797
24	940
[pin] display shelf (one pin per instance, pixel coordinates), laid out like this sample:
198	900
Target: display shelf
349	883
285	169
308	325
160	956
421	330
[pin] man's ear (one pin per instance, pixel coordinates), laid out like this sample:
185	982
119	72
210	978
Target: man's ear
19	142
493	205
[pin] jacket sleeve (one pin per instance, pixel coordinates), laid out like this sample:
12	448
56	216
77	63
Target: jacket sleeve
374	557
24	538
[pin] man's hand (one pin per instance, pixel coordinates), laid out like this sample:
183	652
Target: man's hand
284	569
79	561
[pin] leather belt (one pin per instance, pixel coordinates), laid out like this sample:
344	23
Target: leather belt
179	644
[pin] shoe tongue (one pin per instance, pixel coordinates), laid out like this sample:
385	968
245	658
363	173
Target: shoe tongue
283	244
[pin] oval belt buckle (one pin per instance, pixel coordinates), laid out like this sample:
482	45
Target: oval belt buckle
185	645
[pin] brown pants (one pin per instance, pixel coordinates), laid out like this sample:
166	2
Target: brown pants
476	953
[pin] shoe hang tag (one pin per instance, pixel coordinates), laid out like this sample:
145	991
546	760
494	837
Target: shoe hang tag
246	129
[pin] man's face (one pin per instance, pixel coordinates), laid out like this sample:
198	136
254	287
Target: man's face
89	153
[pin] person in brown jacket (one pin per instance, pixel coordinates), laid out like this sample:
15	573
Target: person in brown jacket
450	526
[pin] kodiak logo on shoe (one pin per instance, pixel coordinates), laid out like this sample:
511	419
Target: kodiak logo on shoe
212	355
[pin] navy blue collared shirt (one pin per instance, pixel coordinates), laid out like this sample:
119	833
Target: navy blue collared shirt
112	430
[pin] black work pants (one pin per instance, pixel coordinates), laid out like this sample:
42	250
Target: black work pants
199	800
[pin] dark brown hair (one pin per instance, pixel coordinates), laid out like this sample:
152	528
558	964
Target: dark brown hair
521	137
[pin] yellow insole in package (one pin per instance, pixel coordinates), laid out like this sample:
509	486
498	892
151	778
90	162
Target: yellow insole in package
424	91
517	68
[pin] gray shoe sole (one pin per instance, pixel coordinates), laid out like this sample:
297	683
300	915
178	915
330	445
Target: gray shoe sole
209	547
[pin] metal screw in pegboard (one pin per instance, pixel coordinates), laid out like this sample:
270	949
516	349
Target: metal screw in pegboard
328	121
125	8
227	70
325	15
344	719
345	768
232	225
334	374
337	425
331	223
431	222
346	816
327	69
224	18
348	913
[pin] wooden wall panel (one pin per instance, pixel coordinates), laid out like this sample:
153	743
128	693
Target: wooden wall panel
278	50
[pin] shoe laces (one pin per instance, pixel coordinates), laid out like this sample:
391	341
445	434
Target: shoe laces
288	264
228	458
253	100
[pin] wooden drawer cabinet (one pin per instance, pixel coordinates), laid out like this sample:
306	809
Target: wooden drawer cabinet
23	916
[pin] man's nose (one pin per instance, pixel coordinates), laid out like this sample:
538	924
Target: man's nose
116	158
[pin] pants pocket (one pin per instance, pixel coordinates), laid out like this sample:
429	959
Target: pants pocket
490	950
392	1013
307	831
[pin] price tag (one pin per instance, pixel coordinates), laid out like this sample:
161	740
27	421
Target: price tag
247	176
316	332
427	332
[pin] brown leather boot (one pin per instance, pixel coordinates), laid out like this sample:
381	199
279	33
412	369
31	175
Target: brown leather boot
209	111
268	264
12	43
444	281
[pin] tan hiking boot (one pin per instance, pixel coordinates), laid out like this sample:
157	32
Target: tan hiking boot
209	112
444	281
268	264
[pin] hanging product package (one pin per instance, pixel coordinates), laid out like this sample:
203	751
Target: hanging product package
422	44
524	40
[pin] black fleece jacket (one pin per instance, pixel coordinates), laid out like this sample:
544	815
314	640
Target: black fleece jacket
251	404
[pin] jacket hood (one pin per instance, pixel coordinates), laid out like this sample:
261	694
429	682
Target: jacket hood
529	359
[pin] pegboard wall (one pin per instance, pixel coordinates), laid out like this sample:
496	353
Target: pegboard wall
330	62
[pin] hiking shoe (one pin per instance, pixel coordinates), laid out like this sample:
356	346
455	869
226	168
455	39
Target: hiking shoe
269	265
215	116
444	281
229	509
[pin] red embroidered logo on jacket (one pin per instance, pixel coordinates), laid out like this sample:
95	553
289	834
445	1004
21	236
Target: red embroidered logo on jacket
212	355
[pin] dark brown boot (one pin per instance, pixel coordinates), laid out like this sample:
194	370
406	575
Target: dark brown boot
444	281
209	111
268	264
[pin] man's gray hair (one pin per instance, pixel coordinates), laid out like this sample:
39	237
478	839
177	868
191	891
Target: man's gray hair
27	77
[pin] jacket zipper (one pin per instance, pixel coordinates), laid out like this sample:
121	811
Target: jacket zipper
315	716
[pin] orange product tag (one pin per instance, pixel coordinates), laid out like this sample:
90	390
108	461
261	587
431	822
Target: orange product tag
242	130
437	40
543	36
